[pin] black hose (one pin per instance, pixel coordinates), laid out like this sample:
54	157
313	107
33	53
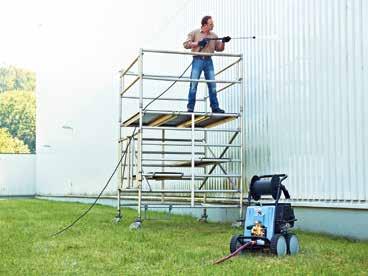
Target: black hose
171	85
98	197
167	89
117	166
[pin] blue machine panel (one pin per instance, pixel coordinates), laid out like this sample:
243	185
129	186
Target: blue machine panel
264	214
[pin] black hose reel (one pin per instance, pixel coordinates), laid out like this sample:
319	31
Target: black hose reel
268	185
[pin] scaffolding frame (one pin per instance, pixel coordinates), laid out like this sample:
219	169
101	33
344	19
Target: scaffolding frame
131	175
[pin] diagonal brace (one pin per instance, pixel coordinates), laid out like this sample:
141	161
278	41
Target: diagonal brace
221	156
222	168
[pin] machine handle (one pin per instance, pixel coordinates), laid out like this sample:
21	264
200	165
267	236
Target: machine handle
285	191
270	175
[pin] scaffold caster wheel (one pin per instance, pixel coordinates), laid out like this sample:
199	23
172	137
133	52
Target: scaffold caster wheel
117	218
202	219
136	225
204	216
237	224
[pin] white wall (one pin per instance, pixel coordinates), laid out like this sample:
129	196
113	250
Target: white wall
17	174
77	88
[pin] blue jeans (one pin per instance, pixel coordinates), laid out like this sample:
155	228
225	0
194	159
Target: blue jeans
205	65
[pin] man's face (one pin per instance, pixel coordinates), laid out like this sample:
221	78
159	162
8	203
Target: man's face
209	26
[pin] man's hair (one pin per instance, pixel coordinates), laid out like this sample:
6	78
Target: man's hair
205	19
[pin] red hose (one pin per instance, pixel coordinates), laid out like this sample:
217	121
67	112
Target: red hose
236	252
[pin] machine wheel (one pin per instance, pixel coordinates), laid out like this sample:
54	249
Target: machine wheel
278	245
292	244
235	243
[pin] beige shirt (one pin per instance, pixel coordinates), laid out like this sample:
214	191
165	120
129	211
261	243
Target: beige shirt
211	47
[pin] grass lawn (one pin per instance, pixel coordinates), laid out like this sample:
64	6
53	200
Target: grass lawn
178	246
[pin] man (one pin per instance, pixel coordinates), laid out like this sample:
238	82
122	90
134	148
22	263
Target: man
198	41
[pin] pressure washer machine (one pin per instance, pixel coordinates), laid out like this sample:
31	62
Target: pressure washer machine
267	226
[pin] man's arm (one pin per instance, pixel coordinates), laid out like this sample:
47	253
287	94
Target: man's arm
220	46
190	43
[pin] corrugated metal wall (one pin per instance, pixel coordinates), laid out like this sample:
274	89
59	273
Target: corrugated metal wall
306	88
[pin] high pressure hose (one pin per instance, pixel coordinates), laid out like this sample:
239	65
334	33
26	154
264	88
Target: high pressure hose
100	194
130	139
119	162
171	85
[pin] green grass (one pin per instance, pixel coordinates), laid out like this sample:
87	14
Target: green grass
181	245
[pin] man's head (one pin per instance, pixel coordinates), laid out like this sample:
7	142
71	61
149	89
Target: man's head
207	23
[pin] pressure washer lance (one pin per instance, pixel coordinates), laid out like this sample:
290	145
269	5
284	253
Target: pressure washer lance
228	38
236	252
203	43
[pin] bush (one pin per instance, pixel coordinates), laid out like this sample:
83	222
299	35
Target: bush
18	116
8	144
13	78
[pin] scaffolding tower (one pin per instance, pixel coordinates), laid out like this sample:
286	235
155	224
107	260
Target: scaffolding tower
167	161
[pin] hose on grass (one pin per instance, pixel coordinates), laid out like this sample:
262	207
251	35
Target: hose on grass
100	194
117	165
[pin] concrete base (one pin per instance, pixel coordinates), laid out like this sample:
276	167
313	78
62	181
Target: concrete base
16	196
350	223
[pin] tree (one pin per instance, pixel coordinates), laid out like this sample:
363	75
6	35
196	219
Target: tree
8	144
18	116
13	78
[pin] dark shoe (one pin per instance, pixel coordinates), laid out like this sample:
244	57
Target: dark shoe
218	110
190	110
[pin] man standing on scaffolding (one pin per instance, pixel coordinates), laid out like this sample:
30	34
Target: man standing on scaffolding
205	41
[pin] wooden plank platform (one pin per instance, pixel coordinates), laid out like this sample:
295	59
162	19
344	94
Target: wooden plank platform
180	119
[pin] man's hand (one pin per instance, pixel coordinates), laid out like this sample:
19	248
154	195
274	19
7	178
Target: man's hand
203	43
226	39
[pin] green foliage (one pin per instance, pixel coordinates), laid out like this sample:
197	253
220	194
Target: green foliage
18	116
18	106
13	78
8	144
180	246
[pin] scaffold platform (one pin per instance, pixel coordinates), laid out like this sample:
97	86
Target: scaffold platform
156	118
